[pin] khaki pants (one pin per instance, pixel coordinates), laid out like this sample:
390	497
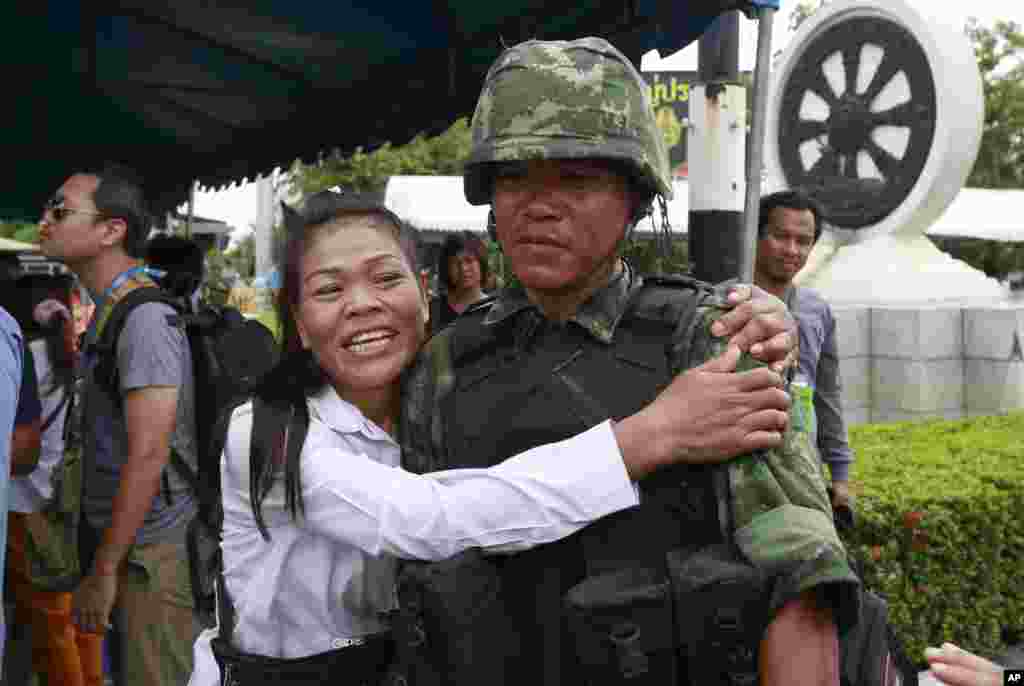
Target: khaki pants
155	616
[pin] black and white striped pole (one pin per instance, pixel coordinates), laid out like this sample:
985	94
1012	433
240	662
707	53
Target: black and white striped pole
724	200
715	154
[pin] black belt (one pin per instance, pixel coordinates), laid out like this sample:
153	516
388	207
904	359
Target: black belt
361	662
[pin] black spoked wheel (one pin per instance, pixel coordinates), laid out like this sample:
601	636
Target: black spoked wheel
857	120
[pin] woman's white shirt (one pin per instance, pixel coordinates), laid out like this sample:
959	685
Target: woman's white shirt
29	493
329	576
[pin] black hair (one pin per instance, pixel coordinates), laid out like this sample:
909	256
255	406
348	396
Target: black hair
181	258
454	244
298	374
119	195
796	199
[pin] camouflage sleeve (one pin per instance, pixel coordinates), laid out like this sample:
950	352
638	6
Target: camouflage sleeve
781	513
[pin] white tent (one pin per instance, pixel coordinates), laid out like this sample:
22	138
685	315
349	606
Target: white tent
434	203
991	214
8	245
437	203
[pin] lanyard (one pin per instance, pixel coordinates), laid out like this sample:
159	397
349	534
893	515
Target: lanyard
118	282
101	300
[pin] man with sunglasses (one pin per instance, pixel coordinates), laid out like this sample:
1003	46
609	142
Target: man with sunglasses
135	508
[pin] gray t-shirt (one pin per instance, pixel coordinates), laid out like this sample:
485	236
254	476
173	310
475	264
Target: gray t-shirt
150	352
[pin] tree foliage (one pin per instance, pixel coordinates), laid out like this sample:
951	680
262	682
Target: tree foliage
443	154
20	231
1000	52
802	10
242	257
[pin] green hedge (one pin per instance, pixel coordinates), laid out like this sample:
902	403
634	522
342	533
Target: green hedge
940	527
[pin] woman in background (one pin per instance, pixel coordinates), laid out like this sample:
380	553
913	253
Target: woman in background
463	269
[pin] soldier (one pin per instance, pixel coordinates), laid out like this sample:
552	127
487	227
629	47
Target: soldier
724	574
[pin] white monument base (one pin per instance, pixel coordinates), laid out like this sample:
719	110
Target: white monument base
895	269
920	334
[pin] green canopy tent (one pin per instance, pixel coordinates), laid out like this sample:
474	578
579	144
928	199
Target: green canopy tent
185	90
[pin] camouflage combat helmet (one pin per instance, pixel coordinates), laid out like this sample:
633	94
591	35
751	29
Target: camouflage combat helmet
565	100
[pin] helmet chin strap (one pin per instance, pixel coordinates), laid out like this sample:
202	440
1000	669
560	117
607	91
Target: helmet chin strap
492	231
638	216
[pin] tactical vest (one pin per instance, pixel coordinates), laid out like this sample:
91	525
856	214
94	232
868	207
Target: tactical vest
525	382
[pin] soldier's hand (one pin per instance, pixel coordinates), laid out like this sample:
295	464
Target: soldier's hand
761	324
707	414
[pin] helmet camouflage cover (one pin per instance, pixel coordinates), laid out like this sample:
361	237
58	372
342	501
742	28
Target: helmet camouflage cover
565	100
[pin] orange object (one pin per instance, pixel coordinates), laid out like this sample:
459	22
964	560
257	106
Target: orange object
59	651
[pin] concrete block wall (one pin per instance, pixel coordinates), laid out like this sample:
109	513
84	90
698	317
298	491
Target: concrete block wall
993	359
853	328
915	362
917	369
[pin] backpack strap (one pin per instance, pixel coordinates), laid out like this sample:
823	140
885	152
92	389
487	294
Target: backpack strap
105	347
48	422
106	372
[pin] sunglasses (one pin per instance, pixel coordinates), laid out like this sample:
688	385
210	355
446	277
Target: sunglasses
55	206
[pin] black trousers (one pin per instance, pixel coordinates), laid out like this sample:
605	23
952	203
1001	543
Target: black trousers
361	665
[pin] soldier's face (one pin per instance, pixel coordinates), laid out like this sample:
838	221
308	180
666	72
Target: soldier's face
559	221
360	311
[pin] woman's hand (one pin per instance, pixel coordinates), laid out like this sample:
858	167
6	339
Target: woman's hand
957	667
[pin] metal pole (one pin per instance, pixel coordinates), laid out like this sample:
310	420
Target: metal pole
191	210
762	72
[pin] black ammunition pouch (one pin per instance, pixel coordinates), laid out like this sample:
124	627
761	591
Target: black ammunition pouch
624	627
722	606
451	626
699	621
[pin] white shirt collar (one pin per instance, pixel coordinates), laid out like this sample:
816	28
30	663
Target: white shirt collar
344	417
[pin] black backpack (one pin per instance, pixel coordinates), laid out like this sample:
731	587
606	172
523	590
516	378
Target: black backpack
229	355
871	654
